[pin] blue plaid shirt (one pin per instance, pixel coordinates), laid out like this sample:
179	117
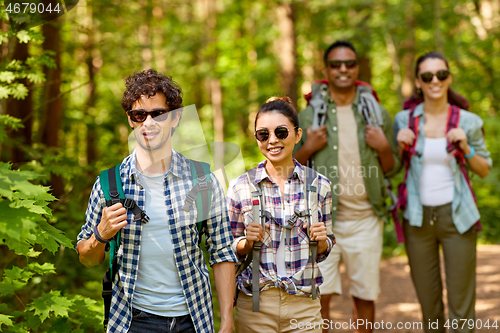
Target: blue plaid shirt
189	258
465	212
297	260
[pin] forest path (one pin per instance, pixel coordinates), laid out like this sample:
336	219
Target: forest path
398	301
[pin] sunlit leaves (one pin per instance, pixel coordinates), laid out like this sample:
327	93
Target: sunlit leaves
7	76
5	320
23	36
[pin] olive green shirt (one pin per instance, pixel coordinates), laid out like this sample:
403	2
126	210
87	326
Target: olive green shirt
325	161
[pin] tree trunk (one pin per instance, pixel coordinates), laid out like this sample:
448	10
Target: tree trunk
22	109
365	73
409	53
438	34
286	50
198	84
52	111
396	69
91	100
214	84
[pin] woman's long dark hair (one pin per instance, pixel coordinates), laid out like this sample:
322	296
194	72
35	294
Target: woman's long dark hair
454	98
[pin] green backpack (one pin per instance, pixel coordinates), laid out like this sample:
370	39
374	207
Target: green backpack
112	189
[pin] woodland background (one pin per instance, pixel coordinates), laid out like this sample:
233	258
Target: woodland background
61	122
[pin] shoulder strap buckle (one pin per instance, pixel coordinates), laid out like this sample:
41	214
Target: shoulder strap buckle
203	185
128	203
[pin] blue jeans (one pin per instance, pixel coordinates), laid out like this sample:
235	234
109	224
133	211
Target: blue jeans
143	322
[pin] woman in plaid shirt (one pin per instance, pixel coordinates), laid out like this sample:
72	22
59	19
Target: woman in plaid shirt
285	301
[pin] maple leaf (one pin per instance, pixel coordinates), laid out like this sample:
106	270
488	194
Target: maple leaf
46	268
5	320
49	303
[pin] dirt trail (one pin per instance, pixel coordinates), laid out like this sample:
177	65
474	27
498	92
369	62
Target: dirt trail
398	301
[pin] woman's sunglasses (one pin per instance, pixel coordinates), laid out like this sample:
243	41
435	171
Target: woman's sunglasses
140	116
338	63
441	75
281	133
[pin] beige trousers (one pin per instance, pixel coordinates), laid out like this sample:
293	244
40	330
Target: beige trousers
278	312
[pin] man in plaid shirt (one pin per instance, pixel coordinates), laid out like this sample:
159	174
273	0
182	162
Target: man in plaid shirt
162	284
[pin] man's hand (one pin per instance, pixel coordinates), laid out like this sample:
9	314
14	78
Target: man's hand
91	252
458	135
405	137
113	219
375	138
316	139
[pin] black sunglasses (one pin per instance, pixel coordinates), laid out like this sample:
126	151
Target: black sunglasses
338	63
140	116
441	75
281	133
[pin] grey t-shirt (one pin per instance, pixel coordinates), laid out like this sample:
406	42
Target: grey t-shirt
158	289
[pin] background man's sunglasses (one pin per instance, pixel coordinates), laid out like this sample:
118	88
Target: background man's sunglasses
281	133
140	116
441	75
338	63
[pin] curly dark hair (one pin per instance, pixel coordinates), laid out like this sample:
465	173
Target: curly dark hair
148	83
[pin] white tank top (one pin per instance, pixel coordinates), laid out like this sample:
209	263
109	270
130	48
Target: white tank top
437	183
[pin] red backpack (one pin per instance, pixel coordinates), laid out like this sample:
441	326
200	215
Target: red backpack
453	148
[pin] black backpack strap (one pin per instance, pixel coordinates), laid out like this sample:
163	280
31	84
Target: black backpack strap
201	193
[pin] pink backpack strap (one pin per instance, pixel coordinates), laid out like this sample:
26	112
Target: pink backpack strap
408	152
454	148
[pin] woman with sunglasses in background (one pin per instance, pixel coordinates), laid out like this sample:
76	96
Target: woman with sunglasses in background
286	268
441	207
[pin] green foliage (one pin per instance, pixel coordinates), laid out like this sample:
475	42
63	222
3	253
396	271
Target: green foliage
30	70
25	234
48	303
102	42
7	121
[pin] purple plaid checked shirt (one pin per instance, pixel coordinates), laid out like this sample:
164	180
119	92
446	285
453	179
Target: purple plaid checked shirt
297	261
188	256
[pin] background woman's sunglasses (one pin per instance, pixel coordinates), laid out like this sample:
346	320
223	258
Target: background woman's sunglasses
140	116
338	63
281	133
441	75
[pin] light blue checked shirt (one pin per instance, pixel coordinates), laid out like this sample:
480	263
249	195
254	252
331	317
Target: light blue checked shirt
189	258
465	212
282	207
